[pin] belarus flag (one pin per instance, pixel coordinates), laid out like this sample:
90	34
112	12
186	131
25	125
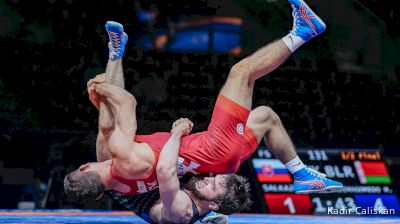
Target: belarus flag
372	172
271	171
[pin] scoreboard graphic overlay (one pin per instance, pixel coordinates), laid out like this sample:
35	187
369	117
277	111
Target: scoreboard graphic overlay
367	190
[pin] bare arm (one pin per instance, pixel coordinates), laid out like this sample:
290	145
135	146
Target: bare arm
176	204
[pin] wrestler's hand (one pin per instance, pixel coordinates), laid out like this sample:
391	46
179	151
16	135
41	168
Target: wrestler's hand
96	80
216	219
182	126
93	96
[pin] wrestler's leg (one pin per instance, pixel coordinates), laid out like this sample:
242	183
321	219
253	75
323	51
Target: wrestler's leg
114	75
232	107
131	158
264	123
239	84
114	72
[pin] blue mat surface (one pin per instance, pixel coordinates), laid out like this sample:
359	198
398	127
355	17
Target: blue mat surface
119	217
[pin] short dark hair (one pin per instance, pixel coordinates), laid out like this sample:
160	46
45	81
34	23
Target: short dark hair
83	187
237	195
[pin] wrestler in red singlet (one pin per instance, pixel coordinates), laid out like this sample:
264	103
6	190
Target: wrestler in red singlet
220	149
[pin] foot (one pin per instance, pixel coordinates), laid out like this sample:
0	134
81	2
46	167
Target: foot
308	181
117	39
306	24
216	218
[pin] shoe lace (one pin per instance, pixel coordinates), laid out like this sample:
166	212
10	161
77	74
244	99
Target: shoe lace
316	173
115	42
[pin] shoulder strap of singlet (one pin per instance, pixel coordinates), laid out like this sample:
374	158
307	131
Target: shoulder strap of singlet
196	215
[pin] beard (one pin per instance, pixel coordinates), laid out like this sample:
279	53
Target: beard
191	185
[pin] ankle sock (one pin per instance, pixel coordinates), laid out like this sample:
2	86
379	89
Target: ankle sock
293	42
294	165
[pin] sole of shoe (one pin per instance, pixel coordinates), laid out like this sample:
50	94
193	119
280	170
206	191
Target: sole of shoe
331	189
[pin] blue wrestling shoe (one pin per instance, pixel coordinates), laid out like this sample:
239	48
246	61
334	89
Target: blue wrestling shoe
215	218
117	38
306	24
307	181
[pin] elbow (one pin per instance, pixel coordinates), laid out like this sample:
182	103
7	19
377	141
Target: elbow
165	170
161	168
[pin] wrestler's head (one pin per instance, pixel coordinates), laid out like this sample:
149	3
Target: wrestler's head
230	193
84	184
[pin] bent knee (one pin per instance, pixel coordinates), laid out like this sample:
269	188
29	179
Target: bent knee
131	100
240	71
127	98
265	115
124	101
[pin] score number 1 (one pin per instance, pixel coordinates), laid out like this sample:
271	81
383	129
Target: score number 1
289	203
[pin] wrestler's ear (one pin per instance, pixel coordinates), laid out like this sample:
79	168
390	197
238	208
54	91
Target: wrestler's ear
213	206
84	167
101	195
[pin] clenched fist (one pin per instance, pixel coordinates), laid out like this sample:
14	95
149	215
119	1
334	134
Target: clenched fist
182	126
